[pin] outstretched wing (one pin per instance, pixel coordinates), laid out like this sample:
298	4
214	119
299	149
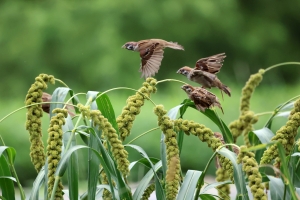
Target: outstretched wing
211	64
151	58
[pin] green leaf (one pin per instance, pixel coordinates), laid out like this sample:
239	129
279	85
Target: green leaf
189	185
276	188
285	170
110	165
10	152
257	137
8	177
107	110
6	185
143	184
212	116
286	106
59	95
72	169
39	180
207	197
145	162
93	166
158	188
238	175
65	159
285	114
214	185
264	135
296	154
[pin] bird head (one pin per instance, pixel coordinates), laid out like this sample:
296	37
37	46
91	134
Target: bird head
187	88
130	46
184	70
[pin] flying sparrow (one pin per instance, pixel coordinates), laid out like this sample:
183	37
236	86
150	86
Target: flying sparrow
151	53
202	98
205	71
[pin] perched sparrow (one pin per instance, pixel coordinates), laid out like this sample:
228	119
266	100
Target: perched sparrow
202	98
46	106
151	53
205	71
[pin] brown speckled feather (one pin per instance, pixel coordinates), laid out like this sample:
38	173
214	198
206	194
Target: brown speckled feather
211	64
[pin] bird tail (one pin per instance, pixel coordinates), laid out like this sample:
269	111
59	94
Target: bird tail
225	89
174	45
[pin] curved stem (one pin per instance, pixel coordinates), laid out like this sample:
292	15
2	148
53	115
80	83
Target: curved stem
280	64
56	179
70	99
278	109
142	135
125	88
264	113
200	181
60	81
32	105
174	80
89	101
224	145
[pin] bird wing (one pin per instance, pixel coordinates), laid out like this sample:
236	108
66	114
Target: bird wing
200	100
211	64
151	58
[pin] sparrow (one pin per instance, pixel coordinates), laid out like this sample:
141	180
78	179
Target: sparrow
46	106
151	53
205	71
202	98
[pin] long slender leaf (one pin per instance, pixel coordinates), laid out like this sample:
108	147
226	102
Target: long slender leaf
189	185
72	169
264	135
276	188
8	177
64	160
39	180
58	95
207	197
107	110
239	180
158	187
145	162
285	170
145	181
124	189
6	185
214	185
10	152
93	164
261	136
286	106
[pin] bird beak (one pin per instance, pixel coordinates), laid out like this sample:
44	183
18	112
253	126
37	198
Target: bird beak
123	46
178	72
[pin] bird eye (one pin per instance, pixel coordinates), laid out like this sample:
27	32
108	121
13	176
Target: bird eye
129	46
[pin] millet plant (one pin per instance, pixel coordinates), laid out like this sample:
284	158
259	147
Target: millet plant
265	166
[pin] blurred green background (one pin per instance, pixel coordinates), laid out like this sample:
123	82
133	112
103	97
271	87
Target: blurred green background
80	43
